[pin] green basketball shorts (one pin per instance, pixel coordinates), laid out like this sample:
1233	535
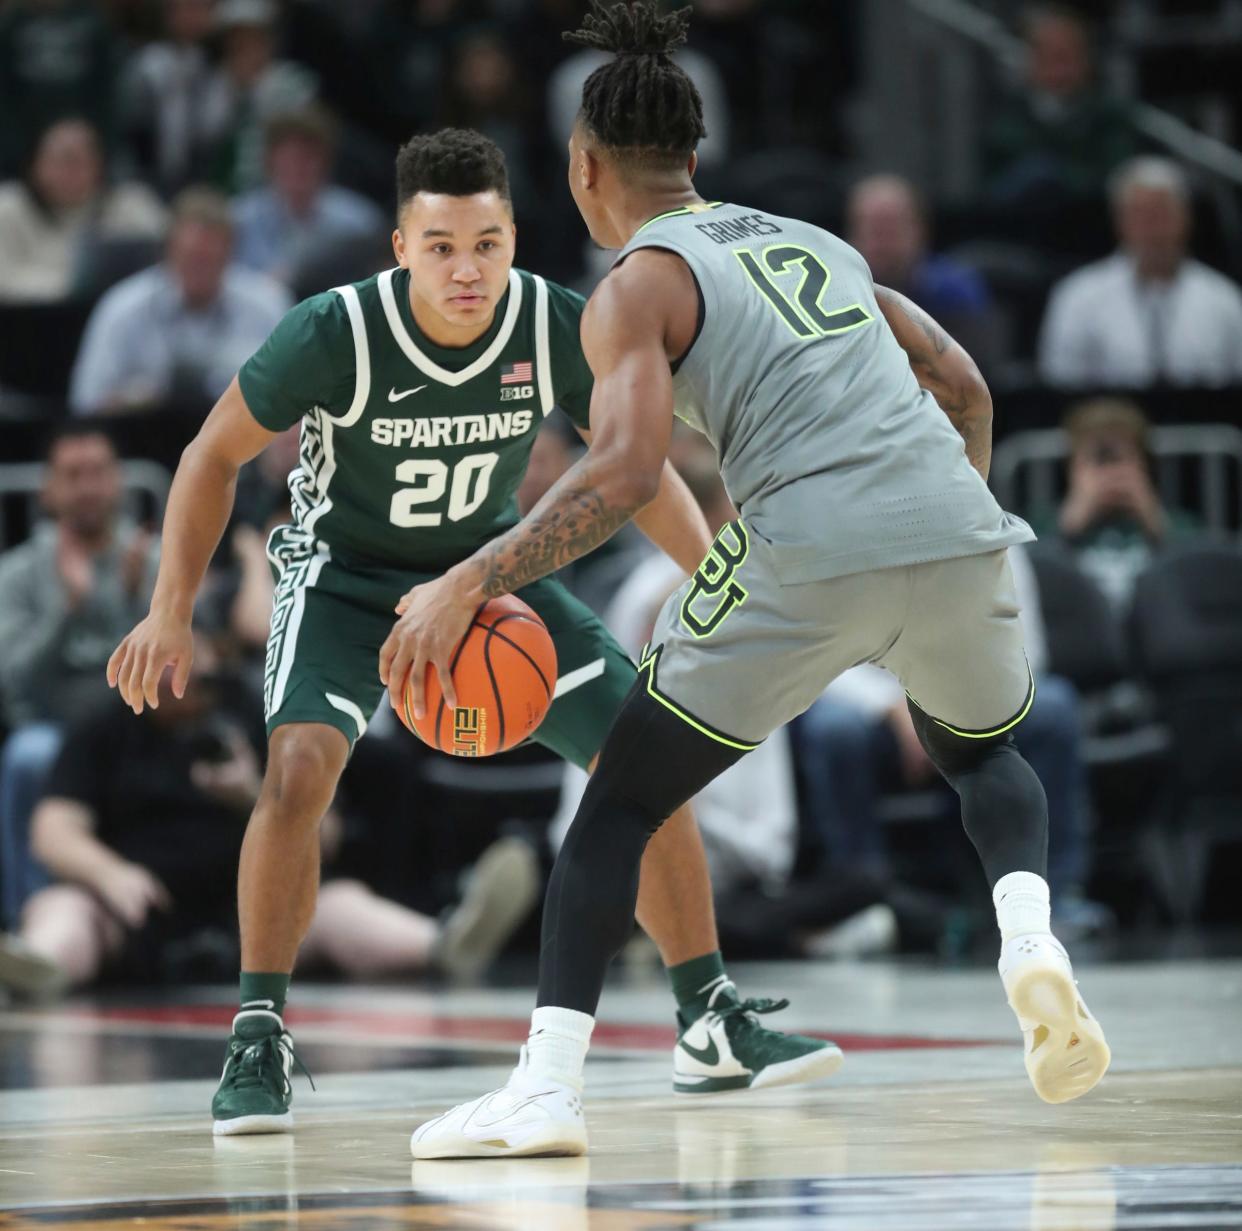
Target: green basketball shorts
329	620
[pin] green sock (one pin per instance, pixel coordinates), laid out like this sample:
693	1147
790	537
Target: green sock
694	982
261	987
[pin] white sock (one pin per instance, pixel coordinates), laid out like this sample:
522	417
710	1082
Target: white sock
1022	905
558	1044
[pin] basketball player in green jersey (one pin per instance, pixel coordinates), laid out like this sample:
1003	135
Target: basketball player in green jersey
419	393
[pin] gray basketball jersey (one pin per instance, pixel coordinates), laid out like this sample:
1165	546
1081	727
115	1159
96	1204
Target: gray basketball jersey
828	447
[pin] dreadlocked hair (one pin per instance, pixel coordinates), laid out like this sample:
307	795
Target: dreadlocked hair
640	104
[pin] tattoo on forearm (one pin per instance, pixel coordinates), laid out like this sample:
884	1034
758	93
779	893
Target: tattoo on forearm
576	520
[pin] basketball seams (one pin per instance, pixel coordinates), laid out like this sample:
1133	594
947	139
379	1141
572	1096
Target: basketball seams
493	670
461	645
543	679
491	675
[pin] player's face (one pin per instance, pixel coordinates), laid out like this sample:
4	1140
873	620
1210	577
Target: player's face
459	251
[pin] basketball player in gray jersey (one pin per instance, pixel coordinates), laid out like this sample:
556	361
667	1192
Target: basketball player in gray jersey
854	438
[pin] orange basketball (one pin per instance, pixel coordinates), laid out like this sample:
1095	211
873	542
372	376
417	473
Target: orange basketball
504	671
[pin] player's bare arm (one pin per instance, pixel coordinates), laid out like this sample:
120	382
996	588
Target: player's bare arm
673	521
946	371
637	315
198	510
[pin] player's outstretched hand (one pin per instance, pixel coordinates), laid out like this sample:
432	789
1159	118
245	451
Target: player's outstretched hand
433	619
138	662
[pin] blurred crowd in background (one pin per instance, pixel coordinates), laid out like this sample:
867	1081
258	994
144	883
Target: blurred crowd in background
1064	197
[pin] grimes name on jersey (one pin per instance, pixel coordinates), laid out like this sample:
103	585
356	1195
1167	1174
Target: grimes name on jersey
439	430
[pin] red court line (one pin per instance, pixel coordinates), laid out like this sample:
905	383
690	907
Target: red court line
418	1028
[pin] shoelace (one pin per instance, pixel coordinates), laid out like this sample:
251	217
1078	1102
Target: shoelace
749	1010
256	1059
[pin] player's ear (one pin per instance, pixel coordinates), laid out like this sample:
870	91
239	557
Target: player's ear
693	165
398	247
588	169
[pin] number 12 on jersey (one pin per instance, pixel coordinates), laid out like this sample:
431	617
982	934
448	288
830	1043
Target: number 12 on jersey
800	307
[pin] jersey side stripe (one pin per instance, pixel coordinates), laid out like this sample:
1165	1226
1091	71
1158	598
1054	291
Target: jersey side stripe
319	422
362	356
543	351
288	651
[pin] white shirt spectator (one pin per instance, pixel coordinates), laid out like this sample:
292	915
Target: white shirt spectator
40	247
272	239
143	343
1104	327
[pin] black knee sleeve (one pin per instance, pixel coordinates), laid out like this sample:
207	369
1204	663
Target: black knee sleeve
652	763
1004	809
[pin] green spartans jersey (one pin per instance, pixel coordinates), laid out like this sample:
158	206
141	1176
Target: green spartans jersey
411	454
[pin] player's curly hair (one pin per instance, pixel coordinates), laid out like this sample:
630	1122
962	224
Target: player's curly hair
456	161
641	105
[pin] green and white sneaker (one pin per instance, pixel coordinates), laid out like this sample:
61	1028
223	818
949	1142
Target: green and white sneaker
255	1090
727	1049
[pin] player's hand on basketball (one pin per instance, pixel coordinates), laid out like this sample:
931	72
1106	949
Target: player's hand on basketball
131	891
138	662
433	619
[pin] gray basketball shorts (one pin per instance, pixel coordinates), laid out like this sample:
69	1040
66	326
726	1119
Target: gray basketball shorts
737	654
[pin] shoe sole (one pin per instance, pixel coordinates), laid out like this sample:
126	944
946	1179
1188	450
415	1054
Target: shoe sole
813	1066
1070	1056
552	1142
241	1126
501	892
30	976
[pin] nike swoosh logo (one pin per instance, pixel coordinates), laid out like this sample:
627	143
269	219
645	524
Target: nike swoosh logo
394	396
709	1055
507	1115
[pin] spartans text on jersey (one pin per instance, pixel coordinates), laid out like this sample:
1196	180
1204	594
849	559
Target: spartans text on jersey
438	430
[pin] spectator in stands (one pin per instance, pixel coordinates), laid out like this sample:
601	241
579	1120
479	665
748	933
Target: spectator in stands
171	131
66	596
1112	516
486	90
250	86
858	741
1061	136
64	204
888	225
298	212
142	824
57	58
179	331
1149	314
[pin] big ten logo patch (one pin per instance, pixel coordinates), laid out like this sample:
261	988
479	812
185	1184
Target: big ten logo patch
516	393
469	731
715	590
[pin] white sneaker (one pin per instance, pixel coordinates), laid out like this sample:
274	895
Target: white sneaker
529	1115
1066	1054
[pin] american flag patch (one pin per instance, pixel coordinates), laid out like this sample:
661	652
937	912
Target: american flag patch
517	373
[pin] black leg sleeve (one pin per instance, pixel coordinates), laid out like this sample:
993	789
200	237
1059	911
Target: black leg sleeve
652	762
1004	809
